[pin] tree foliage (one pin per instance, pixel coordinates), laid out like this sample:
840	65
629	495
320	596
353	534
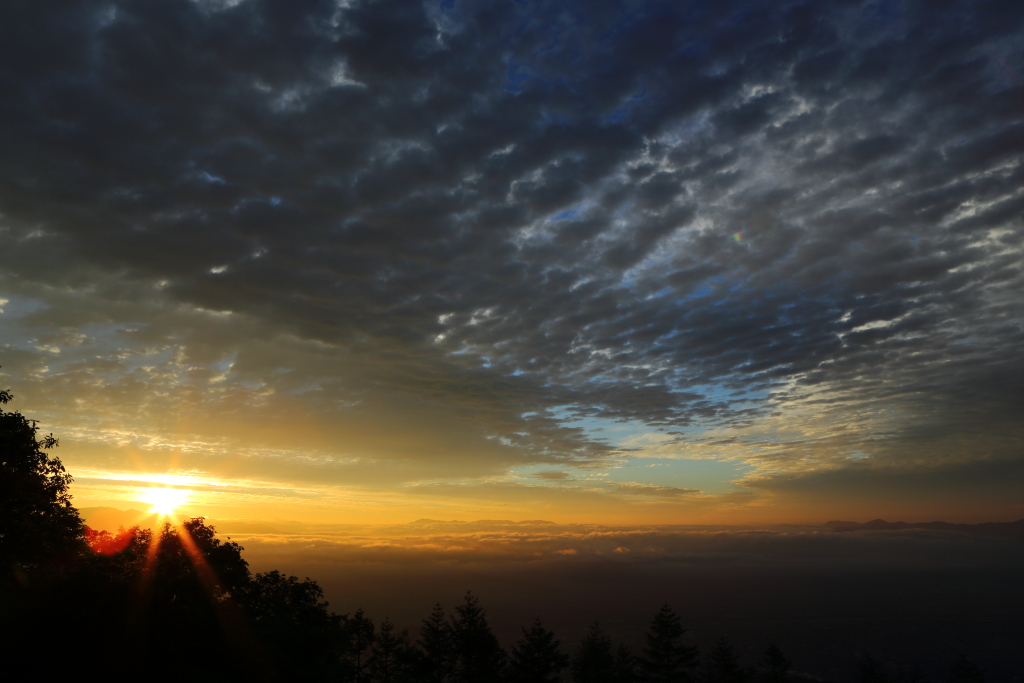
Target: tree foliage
437	648
776	665
625	666
38	523
870	670
102	542
291	618
537	657
357	637
390	657
593	661
964	670
478	655
722	665
666	658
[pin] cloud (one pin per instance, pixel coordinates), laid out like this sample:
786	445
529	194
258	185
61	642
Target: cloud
415	233
636	489
551	475
502	541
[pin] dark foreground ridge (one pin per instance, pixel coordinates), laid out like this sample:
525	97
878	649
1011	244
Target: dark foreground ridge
178	603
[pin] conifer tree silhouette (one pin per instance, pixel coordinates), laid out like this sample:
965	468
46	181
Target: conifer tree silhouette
666	659
964	670
722	666
435	664
389	654
870	670
478	656
776	665
625	666
915	676
358	633
594	661
536	658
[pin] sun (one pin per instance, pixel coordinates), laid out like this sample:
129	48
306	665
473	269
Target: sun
165	500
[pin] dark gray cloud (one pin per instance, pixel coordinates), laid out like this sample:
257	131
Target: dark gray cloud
470	217
652	490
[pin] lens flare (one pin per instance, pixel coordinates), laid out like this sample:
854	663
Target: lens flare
165	500
737	237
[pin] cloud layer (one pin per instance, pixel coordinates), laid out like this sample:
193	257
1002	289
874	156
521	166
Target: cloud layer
391	243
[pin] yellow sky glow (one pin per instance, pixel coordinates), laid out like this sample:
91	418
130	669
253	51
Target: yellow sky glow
165	500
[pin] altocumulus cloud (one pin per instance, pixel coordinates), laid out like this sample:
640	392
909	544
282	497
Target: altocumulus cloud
447	234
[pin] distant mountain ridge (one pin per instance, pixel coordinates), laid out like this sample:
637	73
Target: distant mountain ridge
111	518
984	529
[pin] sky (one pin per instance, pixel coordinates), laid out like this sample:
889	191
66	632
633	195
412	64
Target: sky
605	263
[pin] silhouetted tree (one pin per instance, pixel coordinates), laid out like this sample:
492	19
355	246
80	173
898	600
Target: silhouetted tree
389	658
159	587
118	561
666	659
478	656
190	588
357	636
196	584
625	666
38	523
870	670
290	619
964	670
184	580
177	601
915	676
536	658
722	665
594	661
776	665
436	647
184	550
105	543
